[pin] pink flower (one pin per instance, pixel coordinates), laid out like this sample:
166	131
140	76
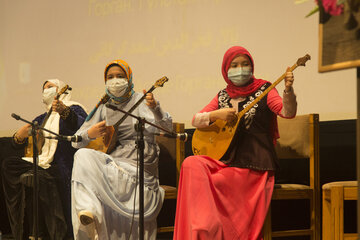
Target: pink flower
331	7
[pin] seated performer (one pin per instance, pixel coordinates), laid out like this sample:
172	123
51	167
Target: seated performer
105	191
54	173
229	199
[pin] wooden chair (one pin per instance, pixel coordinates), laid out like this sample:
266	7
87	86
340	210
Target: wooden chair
172	153
334	195
299	139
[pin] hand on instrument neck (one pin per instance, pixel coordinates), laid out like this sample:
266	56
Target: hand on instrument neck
58	106
289	80
150	100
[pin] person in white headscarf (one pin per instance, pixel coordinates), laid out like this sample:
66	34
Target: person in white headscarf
55	166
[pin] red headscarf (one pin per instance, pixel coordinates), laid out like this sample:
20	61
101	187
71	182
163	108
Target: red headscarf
231	89
248	89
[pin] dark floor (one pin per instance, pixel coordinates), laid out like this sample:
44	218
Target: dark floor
164	236
160	237
7	237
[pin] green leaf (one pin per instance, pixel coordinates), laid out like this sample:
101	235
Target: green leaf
300	1
315	10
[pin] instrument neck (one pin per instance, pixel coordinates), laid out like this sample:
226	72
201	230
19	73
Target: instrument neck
245	110
117	124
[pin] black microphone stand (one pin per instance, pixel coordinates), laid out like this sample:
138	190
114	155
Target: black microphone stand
17	117
34	128
139	127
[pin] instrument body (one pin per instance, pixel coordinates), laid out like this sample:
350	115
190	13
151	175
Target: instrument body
215	139
40	139
107	143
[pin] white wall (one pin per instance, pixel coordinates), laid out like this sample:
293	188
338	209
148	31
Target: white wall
182	39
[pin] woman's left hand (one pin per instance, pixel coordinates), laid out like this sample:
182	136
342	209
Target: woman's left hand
289	80
150	100
58	106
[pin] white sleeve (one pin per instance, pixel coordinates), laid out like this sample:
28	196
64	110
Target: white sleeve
289	104
201	120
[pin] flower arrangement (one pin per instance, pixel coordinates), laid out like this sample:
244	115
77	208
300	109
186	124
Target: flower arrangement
328	8
332	7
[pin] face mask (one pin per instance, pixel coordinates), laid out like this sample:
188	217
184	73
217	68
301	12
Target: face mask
240	76
48	95
117	86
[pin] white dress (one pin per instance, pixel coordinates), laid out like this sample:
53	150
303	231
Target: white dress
106	185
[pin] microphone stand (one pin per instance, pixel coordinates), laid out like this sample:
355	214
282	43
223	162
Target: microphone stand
139	127
34	128
17	117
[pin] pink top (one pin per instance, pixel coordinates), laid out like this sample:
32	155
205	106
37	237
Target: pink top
285	107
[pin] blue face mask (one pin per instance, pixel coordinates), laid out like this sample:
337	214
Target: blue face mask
240	76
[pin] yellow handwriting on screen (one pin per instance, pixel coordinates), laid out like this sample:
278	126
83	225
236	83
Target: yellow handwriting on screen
102	8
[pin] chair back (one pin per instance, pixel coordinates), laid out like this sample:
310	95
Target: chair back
299	138
172	154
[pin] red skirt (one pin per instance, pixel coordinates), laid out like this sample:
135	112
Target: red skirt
220	202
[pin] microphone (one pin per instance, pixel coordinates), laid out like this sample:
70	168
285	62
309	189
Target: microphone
74	138
181	136
17	117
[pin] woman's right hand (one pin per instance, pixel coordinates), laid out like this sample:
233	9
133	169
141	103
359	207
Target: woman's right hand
226	114
23	132
98	130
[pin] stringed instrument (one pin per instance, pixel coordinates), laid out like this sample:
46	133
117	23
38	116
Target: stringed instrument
40	140
107	143
215	139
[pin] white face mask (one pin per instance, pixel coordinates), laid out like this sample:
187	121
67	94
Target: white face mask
240	76
48	95
117	86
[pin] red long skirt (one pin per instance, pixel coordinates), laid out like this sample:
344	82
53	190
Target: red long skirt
220	202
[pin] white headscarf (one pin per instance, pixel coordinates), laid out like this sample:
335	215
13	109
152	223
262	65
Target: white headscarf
49	147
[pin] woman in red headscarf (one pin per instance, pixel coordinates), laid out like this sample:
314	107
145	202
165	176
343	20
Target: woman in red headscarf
229	199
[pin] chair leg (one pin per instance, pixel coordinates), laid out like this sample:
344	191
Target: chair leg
337	212
312	217
326	215
267	225
317	212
